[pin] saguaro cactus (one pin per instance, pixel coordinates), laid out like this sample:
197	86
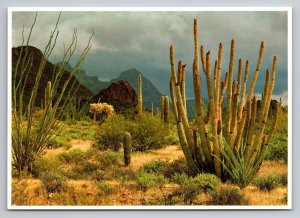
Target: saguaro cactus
162	103
127	148
140	94
48	96
152	109
221	143
166	109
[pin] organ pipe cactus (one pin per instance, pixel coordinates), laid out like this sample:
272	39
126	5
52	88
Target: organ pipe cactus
220	137
127	148
140	94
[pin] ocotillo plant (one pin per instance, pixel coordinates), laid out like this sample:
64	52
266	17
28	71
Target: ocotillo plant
127	148
140	94
48	96
232	143
166	109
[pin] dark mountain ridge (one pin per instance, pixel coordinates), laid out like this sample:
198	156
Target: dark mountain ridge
47	75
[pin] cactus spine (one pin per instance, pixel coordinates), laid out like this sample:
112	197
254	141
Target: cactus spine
244	133
140	94
127	148
48	96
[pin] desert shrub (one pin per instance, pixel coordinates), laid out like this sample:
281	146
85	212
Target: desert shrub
227	194
108	159
85	169
105	187
147	132
57	142
268	182
146	180
206	181
124	173
99	175
278	148
53	181
73	156
155	167
50	172
180	178
43	165
178	166
190	187
109	135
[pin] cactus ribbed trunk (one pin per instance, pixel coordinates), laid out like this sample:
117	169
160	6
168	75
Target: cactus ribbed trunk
242	124
166	109
127	148
152	109
140	94
162	103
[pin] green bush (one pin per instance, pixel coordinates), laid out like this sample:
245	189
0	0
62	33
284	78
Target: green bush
190	187
105	187
53	181
50	172
278	148
178	166
227	194
108	159
180	178
206	182
146	180
43	165
109	135
155	167
73	156
268	182
147	132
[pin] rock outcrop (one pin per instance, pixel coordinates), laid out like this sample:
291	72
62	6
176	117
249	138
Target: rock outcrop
120	94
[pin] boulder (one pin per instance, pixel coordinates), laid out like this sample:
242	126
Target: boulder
120	94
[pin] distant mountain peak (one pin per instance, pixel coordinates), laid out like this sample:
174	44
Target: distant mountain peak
130	72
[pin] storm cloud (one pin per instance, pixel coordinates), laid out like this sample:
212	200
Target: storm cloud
125	40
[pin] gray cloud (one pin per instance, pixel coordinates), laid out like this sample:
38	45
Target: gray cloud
141	40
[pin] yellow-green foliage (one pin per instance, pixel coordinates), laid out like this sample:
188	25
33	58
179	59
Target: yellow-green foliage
101	111
147	132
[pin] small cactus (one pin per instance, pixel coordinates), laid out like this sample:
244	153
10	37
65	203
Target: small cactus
127	148
140	94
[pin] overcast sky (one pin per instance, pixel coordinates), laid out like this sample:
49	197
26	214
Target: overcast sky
125	40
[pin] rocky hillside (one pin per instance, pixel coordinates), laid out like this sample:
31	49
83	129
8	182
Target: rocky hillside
46	76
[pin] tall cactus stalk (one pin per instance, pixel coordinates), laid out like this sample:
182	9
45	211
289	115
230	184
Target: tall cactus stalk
162	103
140	94
127	148
152	109
166	109
239	136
